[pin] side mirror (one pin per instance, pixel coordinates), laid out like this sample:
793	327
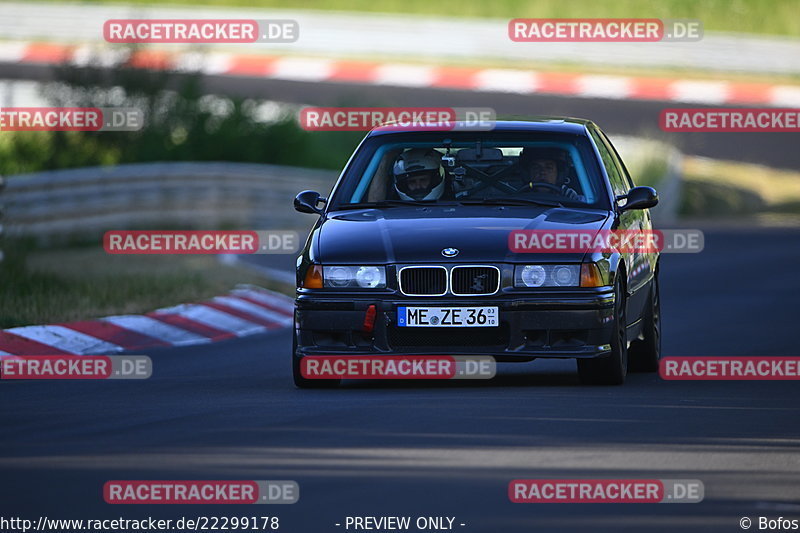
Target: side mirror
306	202
639	198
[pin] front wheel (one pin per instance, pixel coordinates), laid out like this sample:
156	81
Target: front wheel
611	369
645	353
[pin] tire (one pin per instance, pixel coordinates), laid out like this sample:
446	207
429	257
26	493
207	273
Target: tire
302	383
611	369
645	353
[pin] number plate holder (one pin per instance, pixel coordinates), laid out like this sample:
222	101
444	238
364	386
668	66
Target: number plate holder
448	317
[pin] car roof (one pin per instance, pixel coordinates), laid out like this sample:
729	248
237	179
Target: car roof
539	124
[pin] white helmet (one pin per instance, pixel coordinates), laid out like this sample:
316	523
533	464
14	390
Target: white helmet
413	163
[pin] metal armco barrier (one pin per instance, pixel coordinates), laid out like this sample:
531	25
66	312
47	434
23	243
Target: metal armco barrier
86	202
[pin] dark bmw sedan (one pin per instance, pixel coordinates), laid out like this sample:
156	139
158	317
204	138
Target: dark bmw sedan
412	256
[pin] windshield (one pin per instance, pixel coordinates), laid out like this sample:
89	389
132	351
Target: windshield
487	168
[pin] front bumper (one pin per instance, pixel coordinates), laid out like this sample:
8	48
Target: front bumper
575	324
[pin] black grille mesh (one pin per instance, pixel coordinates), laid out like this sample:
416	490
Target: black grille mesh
415	280
474	280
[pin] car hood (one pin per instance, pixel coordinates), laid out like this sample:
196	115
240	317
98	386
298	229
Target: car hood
412	235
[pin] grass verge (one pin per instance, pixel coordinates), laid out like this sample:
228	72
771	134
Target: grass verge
714	188
60	285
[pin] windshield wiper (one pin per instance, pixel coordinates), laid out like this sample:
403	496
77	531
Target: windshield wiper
511	201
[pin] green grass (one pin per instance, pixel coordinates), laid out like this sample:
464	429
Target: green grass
81	283
725	188
779	17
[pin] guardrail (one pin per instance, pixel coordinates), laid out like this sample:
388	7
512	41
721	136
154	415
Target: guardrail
86	202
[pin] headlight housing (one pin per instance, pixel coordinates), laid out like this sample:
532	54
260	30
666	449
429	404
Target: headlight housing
533	276
354	277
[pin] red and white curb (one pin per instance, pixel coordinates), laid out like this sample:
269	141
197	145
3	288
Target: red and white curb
244	311
413	75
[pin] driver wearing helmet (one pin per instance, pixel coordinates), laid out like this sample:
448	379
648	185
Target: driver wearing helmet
418	174
546	168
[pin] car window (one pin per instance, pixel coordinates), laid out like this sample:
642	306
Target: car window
620	163
426	167
618	184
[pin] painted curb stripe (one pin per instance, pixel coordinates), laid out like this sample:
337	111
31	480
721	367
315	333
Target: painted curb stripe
244	311
266	295
253	309
17	345
267	302
215	318
155	328
417	75
249	317
115	334
66	340
180	321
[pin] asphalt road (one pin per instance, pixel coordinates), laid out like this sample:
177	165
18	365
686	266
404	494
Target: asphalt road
615	116
229	411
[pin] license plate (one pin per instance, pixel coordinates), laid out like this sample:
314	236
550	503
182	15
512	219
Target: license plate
447	317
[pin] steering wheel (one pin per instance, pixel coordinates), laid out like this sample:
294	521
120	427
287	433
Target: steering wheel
555	188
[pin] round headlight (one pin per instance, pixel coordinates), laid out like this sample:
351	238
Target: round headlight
564	276
338	276
368	277
533	275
